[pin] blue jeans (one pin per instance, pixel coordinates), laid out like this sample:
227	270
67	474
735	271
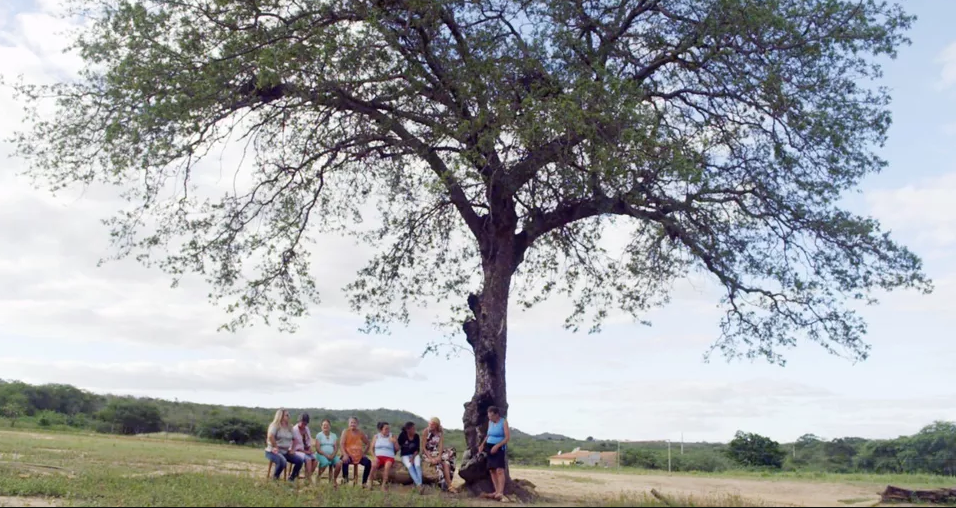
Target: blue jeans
414	469
281	461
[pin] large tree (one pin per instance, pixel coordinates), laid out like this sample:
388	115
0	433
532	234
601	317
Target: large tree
496	140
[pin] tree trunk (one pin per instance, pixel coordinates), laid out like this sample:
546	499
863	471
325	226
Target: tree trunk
487	333
489	341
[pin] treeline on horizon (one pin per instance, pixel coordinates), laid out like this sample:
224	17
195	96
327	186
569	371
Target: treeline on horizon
67	408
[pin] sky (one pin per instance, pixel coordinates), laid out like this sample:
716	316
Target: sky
120	328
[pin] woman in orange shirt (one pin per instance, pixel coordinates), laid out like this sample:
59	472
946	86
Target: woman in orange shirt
355	445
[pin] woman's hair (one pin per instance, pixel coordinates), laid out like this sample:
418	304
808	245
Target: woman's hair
381	425
305	418
277	421
437	423
326	421
494	409
408	426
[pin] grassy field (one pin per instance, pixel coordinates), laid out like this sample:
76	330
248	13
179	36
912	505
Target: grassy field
913	481
95	470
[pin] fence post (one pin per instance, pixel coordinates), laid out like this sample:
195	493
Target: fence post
668	456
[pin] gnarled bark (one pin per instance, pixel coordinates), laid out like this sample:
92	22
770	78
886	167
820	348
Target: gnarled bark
487	333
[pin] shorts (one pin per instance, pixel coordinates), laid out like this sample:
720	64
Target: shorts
384	461
304	456
497	460
324	462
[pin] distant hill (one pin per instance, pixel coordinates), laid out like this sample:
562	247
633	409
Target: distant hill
547	436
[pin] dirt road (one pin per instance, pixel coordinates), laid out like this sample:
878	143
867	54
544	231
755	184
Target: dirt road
571	486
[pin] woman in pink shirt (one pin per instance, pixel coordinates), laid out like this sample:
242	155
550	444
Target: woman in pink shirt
302	444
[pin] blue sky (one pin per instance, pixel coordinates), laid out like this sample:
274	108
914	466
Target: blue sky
121	329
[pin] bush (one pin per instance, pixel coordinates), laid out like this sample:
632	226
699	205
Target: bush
703	461
78	421
643	459
754	450
234	429
130	416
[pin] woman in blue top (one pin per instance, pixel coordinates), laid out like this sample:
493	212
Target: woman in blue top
496	447
327	453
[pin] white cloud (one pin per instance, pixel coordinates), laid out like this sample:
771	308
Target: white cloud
948	60
925	209
51	288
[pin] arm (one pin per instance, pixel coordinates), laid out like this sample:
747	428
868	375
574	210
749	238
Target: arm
341	444
369	449
335	450
501	445
271	439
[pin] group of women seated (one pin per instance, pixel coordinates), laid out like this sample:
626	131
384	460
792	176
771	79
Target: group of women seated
295	445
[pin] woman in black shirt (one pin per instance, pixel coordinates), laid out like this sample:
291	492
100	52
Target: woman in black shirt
411	447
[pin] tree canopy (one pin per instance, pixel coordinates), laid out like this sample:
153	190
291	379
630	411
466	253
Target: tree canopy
727	129
754	450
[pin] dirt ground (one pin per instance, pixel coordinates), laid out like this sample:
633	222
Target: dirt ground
37	502
571	486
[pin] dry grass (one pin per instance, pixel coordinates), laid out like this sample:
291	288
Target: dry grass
647	499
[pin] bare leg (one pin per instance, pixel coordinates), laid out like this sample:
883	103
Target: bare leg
448	478
386	469
334	476
500	490
371	477
494	481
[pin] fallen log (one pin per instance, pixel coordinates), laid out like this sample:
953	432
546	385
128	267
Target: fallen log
399	475
897	495
662	498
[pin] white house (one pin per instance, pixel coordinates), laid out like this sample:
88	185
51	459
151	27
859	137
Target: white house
583	458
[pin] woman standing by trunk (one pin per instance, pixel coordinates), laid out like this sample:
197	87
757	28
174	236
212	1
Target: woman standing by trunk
496	447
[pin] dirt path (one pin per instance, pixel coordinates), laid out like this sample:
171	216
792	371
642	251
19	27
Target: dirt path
37	502
572	486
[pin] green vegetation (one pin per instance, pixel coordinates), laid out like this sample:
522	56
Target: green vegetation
88	470
197	489
65	408
754	450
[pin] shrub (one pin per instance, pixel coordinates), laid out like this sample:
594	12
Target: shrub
234	429
132	416
754	450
